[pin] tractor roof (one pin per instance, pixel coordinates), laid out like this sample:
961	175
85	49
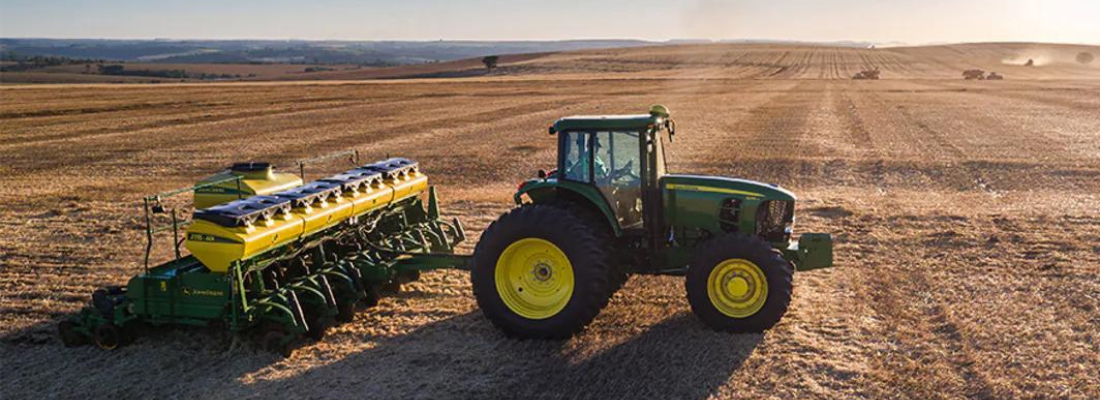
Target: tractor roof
606	122
633	122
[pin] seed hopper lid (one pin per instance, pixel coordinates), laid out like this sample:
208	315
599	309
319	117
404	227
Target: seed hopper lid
310	193
392	168
244	211
355	179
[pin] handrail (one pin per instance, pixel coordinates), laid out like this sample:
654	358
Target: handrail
354	159
171	193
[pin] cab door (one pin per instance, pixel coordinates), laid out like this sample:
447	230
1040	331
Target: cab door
617	172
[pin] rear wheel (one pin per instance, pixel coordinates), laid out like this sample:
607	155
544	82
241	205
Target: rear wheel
108	336
540	272
616	277
739	284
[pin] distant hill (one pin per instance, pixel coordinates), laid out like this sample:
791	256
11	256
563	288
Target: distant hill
645	60
765	61
373	53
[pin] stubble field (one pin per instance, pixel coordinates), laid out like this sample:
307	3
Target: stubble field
966	214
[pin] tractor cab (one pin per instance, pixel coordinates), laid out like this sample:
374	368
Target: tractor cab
618	155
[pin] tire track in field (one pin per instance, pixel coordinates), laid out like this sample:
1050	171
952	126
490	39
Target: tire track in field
774	124
53	112
151	152
899	134
157	142
1006	128
927	341
834	64
823	65
1079	102
407	135
928	142
854	125
906	68
180	122
404	139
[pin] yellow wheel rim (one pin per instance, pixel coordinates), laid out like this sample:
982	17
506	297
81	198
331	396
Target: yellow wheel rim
534	278
737	288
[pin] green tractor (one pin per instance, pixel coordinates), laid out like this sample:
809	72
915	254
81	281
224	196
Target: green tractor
546	268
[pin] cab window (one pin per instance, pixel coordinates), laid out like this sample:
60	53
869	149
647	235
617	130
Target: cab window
576	157
618	173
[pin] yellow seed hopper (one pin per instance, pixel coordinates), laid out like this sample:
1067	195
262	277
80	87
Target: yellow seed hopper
245	228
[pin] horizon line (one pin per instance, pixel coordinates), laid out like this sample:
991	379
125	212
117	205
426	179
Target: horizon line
893	43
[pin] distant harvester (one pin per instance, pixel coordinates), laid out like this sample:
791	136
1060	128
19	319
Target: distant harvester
866	74
974	74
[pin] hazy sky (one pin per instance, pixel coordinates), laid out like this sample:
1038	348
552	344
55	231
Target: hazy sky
912	21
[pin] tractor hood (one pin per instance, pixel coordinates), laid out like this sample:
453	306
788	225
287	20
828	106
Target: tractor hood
718	184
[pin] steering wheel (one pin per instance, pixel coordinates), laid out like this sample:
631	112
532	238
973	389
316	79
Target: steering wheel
626	171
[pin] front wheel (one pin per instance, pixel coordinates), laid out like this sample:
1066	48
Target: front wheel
739	284
540	272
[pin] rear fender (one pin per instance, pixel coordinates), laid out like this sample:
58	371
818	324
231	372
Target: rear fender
544	191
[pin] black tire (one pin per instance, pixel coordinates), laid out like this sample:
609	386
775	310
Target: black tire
69	336
777	271
345	311
586	252
616	278
372	296
615	281
319	323
108	336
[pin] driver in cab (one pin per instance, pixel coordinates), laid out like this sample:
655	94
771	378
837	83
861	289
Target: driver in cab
580	168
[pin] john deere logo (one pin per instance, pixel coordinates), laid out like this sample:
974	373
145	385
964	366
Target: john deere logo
202	292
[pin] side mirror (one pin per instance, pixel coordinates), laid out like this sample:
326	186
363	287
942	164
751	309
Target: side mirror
542	174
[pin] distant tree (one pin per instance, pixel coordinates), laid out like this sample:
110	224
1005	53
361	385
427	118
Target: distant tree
1085	57
490	62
